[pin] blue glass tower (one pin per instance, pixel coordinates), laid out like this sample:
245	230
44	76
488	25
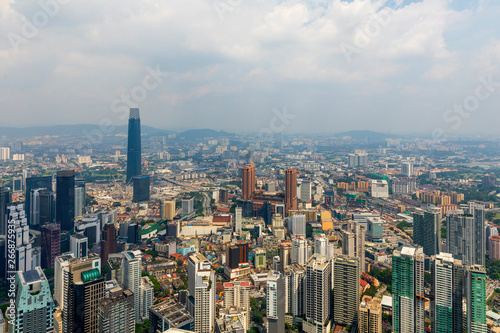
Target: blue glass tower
134	145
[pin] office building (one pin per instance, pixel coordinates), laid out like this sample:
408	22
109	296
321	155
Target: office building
131	277
297	290
33	183
201	287
167	210
134	145
275	302
318	282
5	201
260	260
17	184
407	169
80	200
298	225
305	191
108	242
370	315
90	226
353	242
82	289
427	230
475	294
42	208
187	206
79	245
169	315
290	190
374	229
65	199
447	286
408	290
51	244
379	188
141	186
147	296
238	220
301	251
346	290
116	312
33	303
22	247
323	246
247	182
133	233
466	234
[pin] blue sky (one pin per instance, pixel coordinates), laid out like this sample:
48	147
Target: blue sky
231	62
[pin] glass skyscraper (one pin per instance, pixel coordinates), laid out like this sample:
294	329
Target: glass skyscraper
134	145
65	199
33	183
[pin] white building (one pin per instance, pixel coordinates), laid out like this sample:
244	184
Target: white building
147	294
131	277
187	206
4	153
305	191
379	188
299	225
300	251
407	169
238	220
79	245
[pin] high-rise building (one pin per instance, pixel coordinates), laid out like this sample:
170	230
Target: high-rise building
346	290
33	304
447	287
17	221
285	254
91	227
4	153
187	206
427	230
466	235
35	183
167	210
237	295
108	242
290	190
299	225
167	315
42	208
65	199
238	218
147	294
275	297
408	290
141	186
133	233
297	290
51	244
82	289
79	245
131	277
475	294
370	315
17	184
379	188
260	260
5	201
358	159
134	145
323	246
201	287
318	282
116	312
305	191
300	251
247	181
80	202
407	169
494	245
353	242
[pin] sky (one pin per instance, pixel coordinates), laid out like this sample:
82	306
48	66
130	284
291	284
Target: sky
318	66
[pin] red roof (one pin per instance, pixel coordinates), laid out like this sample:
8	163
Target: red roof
363	282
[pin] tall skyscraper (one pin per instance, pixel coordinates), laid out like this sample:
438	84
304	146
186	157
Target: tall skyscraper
79	245
290	190
5	200
346	290
427	230
51	244
407	169
238	218
447	286
319	282
297	287
33	304
353	242
237	295
108	242
305	191
141	188
79	197
370	315
22	247
131	277
65	199
147	294
475	293
201	287
116	312
408	290
42	208
299	225
247	181
134	145
300	251
275	297
466	235
82	289
35	183
167	210
17	184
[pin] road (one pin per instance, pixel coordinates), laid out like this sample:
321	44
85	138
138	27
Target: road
207	209
381	291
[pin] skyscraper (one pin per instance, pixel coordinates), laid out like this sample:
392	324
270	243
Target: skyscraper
33	304
475	293
147	294
447	287
141	186
116	312
79	245
300	251
370	315
108	242
42	208
247	181
131	277
65	199
290	190
427	230
22	247
408	290
5	200
201	287
35	183
134	145
353	242
275	297
167	210
346	290
318	282
297	290
51	244
79	197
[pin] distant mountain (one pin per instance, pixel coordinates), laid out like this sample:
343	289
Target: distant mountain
72	130
204	133
368	135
